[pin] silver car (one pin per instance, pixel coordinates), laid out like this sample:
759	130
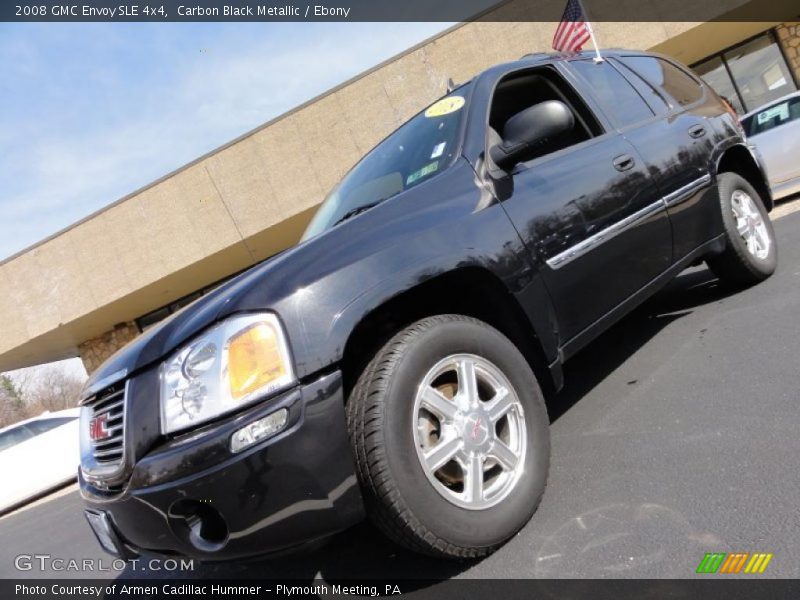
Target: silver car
775	130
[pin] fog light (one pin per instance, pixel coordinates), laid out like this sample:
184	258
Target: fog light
258	430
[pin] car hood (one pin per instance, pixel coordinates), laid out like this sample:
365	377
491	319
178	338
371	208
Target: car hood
280	283
165	337
262	287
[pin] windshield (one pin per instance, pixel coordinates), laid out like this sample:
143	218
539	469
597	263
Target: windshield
417	151
773	116
15	436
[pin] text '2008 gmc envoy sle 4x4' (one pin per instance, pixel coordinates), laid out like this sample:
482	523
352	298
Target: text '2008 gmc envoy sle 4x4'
394	363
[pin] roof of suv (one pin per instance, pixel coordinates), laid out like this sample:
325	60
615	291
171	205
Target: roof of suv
554	56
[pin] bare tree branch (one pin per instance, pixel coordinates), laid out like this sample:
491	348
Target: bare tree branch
33	391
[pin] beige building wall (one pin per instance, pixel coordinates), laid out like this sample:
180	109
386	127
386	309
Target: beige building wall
253	197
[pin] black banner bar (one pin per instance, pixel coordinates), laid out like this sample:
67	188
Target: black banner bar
391	10
708	588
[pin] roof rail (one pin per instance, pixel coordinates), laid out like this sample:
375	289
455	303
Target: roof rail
538	55
582	53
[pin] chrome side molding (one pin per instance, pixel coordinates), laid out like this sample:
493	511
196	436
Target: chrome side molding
683	193
584	246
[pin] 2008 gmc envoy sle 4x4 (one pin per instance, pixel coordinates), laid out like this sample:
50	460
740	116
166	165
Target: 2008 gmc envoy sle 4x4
393	363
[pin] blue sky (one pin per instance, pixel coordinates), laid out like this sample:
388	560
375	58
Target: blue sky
91	112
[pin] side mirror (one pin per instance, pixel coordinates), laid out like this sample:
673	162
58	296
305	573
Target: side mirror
529	128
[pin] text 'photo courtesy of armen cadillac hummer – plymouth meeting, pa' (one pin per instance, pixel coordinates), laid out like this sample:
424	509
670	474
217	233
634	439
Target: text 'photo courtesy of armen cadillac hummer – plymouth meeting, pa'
421	299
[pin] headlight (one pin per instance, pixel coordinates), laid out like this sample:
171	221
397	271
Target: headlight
232	364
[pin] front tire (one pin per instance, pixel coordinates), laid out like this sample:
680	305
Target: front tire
751	254
451	438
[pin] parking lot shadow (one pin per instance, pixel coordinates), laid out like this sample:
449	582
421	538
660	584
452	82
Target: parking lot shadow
357	554
691	289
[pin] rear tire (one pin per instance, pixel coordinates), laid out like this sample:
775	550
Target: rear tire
751	254
450	384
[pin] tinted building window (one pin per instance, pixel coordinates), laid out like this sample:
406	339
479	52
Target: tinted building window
145	322
666	76
715	73
760	72
620	101
750	75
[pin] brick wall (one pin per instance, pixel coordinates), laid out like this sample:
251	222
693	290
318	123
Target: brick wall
95	351
789	36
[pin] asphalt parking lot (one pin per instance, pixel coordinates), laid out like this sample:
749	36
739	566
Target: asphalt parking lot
677	435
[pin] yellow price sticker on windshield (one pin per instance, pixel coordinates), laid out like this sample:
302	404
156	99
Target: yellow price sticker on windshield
445	106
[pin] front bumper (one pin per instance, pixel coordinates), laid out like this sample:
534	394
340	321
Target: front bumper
191	496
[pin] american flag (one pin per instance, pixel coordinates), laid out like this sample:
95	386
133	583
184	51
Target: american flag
572	32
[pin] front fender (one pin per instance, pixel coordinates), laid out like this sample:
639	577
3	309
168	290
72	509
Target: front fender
321	317
392	251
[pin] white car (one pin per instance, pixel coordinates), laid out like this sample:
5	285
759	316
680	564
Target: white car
38	455
775	130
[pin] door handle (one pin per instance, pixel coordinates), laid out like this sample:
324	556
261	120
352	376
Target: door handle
697	131
624	162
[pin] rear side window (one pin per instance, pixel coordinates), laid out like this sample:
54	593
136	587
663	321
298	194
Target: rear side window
773	116
619	99
663	74
653	98
45	425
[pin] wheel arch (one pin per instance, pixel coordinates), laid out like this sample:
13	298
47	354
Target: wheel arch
452	292
740	160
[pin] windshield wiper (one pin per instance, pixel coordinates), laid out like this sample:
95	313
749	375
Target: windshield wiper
357	211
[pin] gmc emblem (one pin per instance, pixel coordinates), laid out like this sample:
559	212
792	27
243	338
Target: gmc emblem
97	428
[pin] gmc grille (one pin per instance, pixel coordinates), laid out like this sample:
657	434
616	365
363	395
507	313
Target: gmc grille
110	410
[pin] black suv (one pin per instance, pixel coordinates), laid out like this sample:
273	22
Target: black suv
393	364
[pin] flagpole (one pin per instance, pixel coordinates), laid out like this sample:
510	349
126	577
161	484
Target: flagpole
599	58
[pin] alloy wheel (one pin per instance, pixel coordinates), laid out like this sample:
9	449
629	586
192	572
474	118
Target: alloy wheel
750	224
470	431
